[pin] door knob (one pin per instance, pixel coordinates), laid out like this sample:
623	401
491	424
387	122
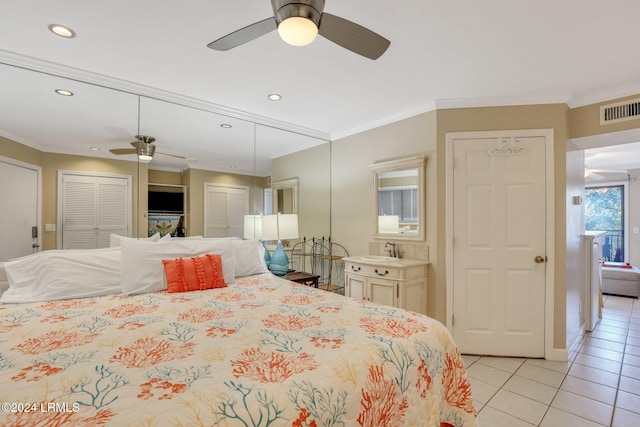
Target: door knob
540	259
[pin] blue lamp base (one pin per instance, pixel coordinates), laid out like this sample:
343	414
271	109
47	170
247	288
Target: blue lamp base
279	261
267	255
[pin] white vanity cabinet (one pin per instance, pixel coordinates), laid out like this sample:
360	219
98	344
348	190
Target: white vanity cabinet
396	282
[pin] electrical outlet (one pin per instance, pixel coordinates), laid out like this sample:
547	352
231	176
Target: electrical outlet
50	227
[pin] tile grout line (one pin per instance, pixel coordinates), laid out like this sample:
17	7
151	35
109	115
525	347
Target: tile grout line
624	353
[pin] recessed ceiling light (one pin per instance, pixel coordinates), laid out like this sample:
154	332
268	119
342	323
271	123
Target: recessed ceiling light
62	31
64	92
95	148
226	126
274	97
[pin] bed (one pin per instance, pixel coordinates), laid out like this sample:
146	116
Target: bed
261	351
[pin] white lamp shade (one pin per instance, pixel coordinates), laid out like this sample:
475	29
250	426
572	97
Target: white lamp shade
287	226
270	227
389	224
279	227
253	227
297	31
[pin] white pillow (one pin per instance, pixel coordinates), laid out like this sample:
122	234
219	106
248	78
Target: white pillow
115	239
249	257
4	283
63	274
142	269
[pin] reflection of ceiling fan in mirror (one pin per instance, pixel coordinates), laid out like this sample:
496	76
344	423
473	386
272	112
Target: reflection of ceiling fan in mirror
299	21
144	148
594	174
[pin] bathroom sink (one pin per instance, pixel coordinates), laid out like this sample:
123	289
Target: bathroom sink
378	258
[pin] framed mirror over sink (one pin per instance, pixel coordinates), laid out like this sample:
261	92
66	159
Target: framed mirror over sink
399	198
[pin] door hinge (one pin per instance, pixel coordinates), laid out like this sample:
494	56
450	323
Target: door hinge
453	163
453	242
397	291
453	320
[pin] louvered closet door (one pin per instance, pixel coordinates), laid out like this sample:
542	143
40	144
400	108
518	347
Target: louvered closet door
112	203
93	207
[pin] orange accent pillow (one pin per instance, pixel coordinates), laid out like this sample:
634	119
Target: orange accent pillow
192	274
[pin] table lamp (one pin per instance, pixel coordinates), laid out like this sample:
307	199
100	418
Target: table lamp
253	230
279	227
388	224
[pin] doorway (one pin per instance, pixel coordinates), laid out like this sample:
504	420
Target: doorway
500	235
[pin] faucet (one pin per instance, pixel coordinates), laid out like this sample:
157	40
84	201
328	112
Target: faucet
392	251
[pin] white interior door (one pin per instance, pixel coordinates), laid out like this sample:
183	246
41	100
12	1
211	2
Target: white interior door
225	208
19	208
499	240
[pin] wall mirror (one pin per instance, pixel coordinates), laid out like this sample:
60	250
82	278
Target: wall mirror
261	151
399	195
285	196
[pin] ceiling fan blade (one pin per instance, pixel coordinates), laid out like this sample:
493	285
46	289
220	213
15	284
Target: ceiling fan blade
244	35
609	170
352	36
172	155
121	151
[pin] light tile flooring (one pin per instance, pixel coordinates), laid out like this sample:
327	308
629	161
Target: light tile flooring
599	386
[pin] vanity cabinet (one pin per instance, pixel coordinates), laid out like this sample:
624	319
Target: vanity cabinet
395	282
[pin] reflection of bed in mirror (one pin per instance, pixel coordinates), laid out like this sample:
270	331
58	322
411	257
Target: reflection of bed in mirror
136	340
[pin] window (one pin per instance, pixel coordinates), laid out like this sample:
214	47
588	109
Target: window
400	201
606	210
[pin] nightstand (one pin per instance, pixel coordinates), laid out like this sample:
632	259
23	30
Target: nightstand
303	278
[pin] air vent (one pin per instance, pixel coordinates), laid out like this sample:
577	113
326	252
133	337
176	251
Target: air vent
620	112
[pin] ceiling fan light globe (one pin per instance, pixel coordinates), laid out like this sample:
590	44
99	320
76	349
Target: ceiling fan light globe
298	31
144	158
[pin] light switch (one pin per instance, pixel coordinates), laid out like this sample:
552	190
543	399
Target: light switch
635	230
50	227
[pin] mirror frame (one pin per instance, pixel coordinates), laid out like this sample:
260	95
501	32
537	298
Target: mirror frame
414	162
283	185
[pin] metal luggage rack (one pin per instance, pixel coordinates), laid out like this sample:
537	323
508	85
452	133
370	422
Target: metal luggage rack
322	257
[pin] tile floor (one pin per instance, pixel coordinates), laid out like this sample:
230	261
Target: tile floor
599	386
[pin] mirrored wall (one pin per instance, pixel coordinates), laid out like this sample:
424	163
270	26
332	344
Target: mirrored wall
77	127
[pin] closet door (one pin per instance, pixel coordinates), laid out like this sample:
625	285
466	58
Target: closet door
92	207
225	207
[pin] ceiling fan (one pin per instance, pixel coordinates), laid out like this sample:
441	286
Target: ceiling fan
299	21
594	174
144	148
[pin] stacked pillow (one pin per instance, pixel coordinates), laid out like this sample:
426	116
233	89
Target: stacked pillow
133	267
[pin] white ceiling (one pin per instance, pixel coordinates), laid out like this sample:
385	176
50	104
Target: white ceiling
443	54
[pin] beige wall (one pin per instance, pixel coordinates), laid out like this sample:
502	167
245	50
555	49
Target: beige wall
585	121
352	196
165	177
312	167
11	149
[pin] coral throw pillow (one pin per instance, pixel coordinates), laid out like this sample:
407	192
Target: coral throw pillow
192	274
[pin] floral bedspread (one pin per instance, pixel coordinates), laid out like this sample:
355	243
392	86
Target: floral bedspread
262	352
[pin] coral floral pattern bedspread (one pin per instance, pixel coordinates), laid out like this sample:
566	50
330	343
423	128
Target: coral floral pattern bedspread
262	352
